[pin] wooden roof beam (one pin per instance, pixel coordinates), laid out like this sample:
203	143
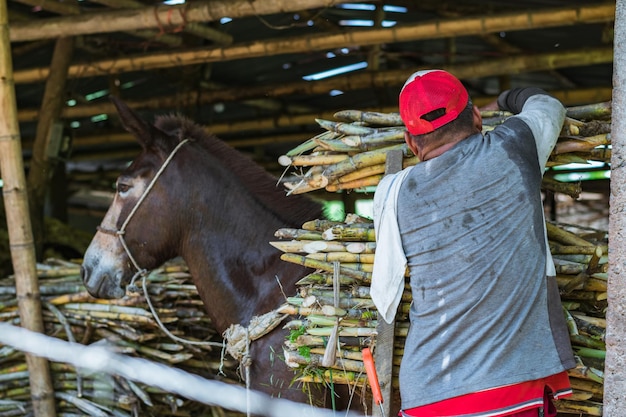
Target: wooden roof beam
193	28
427	30
567	97
480	69
153	17
64	8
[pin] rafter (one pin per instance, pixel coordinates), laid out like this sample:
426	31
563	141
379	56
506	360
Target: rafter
484	68
428	30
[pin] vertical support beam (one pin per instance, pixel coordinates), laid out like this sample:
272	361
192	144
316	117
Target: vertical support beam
45	151
385	337
19	227
615	365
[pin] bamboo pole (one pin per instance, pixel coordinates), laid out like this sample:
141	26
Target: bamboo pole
615	365
70	8
265	48
124	138
193	28
156	17
47	141
355	81
18	224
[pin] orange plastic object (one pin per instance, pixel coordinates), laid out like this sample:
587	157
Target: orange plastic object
372	377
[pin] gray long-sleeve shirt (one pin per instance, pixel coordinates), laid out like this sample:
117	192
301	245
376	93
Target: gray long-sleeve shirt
484	312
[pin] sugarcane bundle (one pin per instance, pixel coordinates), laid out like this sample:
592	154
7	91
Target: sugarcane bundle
351	152
126	326
334	318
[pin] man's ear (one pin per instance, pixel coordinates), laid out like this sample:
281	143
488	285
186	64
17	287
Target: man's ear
478	119
410	142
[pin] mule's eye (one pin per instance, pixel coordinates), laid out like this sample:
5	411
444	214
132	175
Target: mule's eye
122	187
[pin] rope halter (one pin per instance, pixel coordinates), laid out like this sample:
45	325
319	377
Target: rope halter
122	230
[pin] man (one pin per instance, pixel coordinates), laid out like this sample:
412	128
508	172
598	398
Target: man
488	335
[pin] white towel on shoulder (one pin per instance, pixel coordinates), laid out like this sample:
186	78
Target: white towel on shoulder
390	262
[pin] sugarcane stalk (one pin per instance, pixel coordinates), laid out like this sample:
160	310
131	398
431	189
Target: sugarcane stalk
293	357
572	189
585	372
587	341
582	407
337	146
581	296
347	233
560	249
311	160
310	341
346	303
356	266
112	308
84	405
570	305
310	246
586	385
563	236
590	353
298	234
361	247
324	279
581	144
107	315
355	184
364	258
327	320
370	117
320	225
361	160
59	272
590	111
344	377
577	258
567	158
595	321
354	355
578	396
376	137
359	174
590	283
71	298
325	266
345	128
308	311
310	144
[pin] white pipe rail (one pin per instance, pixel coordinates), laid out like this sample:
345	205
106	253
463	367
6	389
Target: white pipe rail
172	380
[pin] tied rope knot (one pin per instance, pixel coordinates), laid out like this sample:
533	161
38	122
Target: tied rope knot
239	337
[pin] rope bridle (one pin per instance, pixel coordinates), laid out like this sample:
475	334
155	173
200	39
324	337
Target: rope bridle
141	272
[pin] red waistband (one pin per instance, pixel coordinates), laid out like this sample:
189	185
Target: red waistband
497	402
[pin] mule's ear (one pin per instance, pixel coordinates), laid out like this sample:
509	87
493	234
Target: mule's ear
132	122
146	134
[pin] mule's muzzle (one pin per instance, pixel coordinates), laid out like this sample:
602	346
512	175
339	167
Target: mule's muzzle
101	286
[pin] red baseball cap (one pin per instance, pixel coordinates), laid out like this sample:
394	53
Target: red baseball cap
427	91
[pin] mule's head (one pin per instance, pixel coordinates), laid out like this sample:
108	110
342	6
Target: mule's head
139	213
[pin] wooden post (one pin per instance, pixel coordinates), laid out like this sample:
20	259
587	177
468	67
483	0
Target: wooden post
48	137
383	355
615	364
18	222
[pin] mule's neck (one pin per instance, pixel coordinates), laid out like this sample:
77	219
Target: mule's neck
236	285
229	220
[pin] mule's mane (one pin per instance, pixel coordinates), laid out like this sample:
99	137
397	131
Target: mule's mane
294	210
